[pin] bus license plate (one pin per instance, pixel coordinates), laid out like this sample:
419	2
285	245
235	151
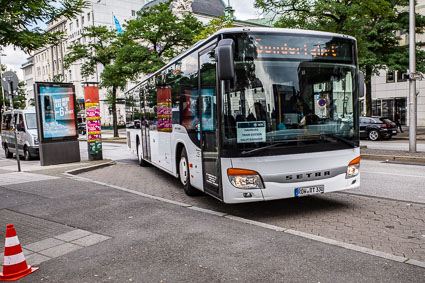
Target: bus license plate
308	191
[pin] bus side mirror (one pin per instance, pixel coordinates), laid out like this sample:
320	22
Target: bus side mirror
224	54
361	84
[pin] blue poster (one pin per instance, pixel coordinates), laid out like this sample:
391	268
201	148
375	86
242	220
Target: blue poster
57	112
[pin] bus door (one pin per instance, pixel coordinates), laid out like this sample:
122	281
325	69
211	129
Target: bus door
145	141
209	124
144	126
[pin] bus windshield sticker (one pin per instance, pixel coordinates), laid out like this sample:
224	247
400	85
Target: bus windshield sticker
251	132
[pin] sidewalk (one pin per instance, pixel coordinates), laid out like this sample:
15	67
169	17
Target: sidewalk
420	134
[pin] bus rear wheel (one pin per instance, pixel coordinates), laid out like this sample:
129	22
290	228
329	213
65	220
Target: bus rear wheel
184	175
142	162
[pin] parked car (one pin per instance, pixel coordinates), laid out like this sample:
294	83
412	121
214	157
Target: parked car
27	136
82	128
375	128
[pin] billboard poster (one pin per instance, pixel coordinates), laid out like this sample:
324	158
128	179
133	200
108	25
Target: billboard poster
58	113
164	122
94	136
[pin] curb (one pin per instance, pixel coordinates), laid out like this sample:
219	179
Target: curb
89	168
393	158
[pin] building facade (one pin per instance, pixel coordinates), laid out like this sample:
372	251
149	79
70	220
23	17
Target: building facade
390	89
46	64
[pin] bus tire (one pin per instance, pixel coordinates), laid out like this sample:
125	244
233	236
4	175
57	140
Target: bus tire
7	152
142	162
184	175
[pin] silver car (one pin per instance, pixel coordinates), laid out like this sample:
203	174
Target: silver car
27	136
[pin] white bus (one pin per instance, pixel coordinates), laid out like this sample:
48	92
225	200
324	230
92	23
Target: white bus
253	114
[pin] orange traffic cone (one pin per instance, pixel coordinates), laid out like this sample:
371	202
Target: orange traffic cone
15	266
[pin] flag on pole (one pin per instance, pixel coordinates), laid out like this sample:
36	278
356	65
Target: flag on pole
117	25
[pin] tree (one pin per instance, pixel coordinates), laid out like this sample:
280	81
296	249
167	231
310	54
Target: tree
101	49
158	29
374	23
19	19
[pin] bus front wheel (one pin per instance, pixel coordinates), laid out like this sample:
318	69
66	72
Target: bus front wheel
185	176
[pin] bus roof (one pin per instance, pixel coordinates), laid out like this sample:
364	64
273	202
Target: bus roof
241	30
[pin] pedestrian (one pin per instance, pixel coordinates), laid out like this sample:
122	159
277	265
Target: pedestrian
398	121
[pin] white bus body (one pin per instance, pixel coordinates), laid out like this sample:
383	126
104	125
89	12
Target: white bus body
310	159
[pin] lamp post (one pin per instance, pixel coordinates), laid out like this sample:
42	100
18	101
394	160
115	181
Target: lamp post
412	78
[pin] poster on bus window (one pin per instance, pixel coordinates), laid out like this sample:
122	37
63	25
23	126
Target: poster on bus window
57	109
164	110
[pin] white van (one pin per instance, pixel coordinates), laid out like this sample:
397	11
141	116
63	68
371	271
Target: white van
27	135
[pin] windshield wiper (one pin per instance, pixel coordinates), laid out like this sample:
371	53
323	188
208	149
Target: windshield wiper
339	138
267	147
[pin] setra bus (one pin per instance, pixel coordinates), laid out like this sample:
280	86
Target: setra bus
253	114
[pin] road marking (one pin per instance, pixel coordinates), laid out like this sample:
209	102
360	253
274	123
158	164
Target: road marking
393	174
313	237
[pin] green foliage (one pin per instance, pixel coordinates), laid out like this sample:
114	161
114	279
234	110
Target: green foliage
213	26
100	49
18	21
158	29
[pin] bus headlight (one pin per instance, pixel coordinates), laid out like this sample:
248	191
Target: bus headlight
244	179
353	168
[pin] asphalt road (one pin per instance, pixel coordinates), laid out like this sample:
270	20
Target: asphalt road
391	180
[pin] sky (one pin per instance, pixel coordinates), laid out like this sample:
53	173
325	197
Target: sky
15	57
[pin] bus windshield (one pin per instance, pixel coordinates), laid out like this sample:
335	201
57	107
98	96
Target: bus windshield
291	94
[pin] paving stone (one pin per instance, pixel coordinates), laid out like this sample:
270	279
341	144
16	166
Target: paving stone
90	240
30	229
35	259
60	250
73	235
43	245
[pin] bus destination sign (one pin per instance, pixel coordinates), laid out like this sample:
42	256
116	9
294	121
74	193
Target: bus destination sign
328	48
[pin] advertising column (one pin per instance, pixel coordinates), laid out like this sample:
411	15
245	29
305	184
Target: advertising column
57	123
94	137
